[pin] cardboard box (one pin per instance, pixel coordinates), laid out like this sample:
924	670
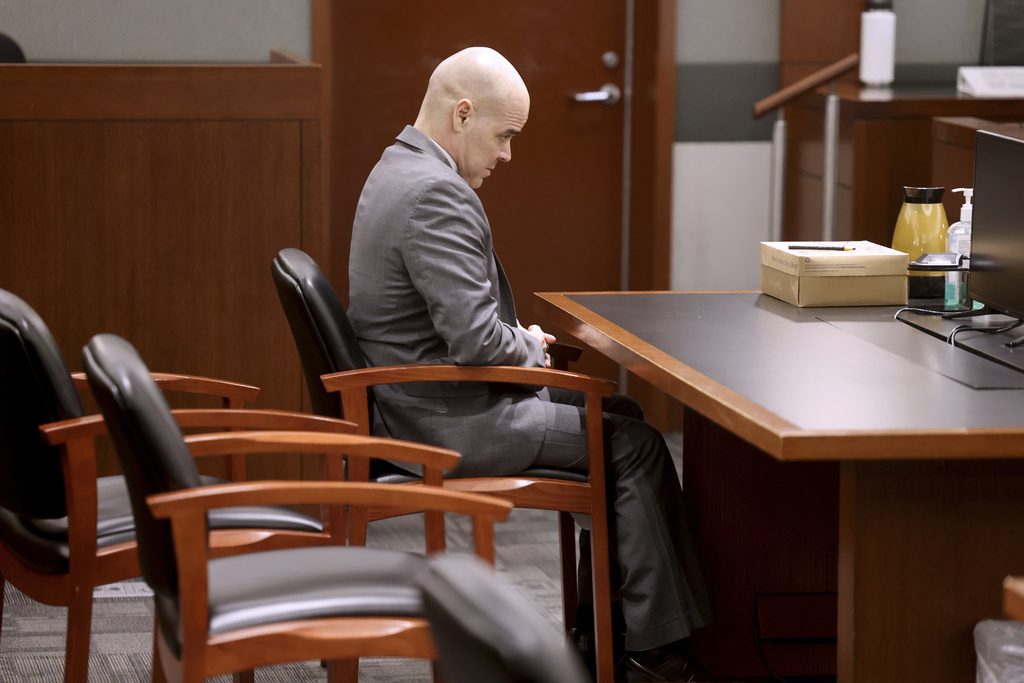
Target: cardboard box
858	274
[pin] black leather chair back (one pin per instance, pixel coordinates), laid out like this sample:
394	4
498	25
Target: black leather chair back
151	450
35	388
1002	37
485	630
321	328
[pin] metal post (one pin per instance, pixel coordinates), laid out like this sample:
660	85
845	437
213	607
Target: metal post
627	166
778	180
830	153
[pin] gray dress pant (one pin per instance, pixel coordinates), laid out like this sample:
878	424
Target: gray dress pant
654	569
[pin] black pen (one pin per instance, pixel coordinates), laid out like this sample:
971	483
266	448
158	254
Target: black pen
821	247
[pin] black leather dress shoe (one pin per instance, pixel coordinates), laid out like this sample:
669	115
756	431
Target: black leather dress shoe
583	641
582	637
668	663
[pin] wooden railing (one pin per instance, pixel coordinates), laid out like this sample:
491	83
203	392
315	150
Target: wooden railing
775	102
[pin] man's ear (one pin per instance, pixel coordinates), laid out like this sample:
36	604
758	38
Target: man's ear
462	113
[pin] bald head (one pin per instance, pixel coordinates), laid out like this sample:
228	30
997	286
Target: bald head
478	74
474	98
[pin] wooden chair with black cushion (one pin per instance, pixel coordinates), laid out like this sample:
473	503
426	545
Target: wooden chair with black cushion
485	630
222	615
340	385
63	530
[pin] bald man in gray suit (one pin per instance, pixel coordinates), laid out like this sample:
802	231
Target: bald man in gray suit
427	287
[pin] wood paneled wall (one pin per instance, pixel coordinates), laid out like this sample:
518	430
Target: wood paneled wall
814	34
149	200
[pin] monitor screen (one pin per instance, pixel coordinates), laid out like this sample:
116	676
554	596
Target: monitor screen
997	226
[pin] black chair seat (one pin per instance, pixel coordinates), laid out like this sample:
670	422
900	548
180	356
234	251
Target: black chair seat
42	544
310	583
397	476
553	473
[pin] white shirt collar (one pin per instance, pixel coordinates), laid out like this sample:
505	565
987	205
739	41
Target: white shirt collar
446	155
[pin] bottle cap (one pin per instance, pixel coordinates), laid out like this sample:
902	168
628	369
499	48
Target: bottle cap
870	5
922	195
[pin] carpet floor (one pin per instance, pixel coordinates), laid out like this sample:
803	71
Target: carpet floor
32	642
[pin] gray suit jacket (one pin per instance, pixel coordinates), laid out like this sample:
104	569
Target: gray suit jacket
426	287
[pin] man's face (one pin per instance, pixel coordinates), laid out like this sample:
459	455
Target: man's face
487	138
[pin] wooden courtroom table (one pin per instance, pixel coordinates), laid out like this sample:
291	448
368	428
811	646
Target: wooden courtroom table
838	465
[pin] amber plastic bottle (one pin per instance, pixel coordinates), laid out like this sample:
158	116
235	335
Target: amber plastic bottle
921	229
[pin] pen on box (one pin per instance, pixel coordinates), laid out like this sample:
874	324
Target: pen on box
821	247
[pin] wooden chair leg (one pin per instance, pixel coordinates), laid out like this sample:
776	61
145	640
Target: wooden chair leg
159	670
435	671
567	544
156	671
603	629
357	521
343	671
248	676
76	655
3	584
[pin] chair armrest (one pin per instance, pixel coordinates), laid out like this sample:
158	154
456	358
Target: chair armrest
92	426
187	509
247	418
234	394
319	442
235	494
397	374
563	354
1013	597
66	431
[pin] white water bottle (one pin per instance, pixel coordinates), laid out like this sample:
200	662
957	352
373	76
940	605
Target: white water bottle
877	43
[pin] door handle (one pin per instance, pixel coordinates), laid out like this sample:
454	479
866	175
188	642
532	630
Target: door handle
609	94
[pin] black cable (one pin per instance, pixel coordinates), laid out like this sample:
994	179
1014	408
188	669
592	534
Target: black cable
922	311
758	641
958	328
986	330
950	339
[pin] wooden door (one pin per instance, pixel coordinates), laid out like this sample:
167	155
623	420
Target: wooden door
556	210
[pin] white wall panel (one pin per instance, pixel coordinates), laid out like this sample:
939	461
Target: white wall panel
719	214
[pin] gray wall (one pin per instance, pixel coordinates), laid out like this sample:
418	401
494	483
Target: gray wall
156	30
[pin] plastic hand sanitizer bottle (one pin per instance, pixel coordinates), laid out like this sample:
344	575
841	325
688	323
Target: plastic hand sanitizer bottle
958	239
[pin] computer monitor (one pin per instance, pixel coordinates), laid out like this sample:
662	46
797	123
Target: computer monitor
997	229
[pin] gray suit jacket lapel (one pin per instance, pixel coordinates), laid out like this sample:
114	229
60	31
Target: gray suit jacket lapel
506	304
